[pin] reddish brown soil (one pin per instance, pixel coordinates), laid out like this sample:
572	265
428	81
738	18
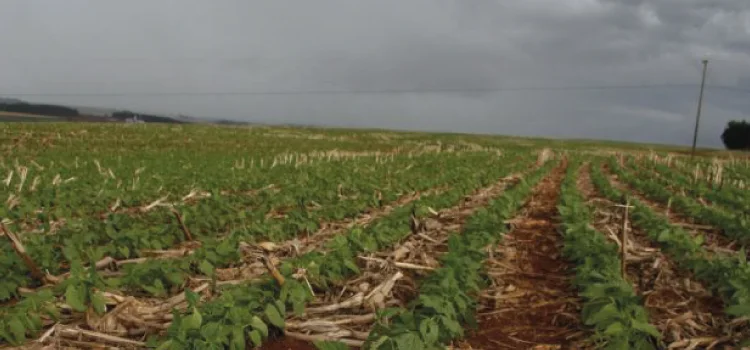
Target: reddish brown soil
532	304
286	343
678	306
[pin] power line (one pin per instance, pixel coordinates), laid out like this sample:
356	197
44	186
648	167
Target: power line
351	92
729	88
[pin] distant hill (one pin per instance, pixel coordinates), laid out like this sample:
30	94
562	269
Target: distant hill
4	100
15	110
12	109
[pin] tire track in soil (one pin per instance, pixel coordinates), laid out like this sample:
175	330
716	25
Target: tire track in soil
715	242
531	303
683	310
404	264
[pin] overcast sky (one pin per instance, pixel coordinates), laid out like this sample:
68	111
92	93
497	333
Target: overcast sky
197	46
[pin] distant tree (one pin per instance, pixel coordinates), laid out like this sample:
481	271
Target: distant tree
41	109
736	135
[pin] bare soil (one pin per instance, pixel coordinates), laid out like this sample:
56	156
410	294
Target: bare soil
531	303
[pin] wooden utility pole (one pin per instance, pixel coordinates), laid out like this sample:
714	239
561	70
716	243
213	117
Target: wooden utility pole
624	241
700	104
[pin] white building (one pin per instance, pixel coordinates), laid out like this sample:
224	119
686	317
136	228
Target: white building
134	120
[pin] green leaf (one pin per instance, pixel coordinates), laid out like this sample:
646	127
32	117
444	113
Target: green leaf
273	316
351	266
646	328
280	306
75	298
739	310
453	326
615	329
663	236
206	268
429	330
165	345
125	251
376	344
255	338
238	338
607	312
191	297
18	330
99	303
210	330
259	325
408	341
193	321
157	289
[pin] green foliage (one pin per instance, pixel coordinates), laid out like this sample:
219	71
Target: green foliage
611	306
446	298
728	275
157	278
82	289
267	301
239	317
229	186
680	180
25	318
13	272
733	224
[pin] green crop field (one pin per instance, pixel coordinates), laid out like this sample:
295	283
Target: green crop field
208	237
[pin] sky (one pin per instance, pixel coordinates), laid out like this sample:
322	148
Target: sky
476	66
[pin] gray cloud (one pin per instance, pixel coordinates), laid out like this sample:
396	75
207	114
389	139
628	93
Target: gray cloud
197	46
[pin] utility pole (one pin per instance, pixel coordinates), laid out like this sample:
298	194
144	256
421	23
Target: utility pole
700	104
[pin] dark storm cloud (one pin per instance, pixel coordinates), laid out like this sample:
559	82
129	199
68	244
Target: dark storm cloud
225	46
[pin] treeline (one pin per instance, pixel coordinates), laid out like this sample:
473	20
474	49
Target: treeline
148	118
40	109
736	135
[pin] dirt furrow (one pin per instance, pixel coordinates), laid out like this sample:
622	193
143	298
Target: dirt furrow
387	279
715	241
680	307
531	302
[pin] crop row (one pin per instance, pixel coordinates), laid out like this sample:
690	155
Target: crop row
330	266
734	226
160	275
95	190
728	275
610	305
731	198
82	179
123	236
264	300
447	297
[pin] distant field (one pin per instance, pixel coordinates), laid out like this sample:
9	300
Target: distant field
213	237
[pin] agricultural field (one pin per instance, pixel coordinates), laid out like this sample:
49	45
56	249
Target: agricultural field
203	237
